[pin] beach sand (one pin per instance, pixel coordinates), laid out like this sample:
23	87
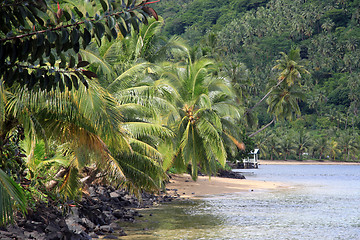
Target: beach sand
204	186
305	162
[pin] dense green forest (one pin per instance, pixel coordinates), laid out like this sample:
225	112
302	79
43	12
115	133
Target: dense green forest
124	92
251	34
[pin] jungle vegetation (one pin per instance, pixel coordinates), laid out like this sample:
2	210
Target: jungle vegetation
110	91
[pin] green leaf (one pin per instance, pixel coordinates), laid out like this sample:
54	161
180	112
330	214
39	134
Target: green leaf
57	77
114	33
75	35
47	48
52	59
49	82
82	79
74	80
88	25
122	30
64	36
80	14
62	64
67	15
76	47
86	37
111	22
68	82
89	74
99	30
19	16
135	24
72	62
39	39
61	85
97	17
52	36
13	55
104	5
10	192
82	64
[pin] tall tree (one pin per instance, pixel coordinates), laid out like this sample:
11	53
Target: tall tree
200	101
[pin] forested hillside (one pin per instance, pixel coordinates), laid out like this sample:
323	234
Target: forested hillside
249	35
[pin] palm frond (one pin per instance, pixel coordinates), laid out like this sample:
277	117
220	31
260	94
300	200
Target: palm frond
212	139
71	183
94	58
140	129
120	83
11	196
141	171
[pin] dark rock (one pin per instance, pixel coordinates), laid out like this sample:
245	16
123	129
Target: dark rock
230	174
93	235
106	228
74	226
115	195
115	226
94	214
118	213
110	237
92	191
54	236
87	223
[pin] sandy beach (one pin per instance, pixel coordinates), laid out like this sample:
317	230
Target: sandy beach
204	186
305	162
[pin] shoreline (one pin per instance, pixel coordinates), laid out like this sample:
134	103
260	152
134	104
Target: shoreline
203	187
304	162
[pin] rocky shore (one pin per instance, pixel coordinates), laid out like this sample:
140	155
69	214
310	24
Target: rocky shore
94	216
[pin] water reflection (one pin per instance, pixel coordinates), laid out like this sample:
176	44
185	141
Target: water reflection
322	205
180	220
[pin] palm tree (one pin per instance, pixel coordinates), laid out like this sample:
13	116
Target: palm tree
283	102
89	125
303	143
290	72
334	149
320	146
286	146
284	95
348	143
200	102
131	54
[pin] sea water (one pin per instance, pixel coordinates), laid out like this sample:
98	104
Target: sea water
321	202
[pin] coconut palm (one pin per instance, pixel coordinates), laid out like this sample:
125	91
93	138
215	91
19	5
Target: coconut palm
132	53
302	142
89	125
320	146
334	149
283	102
348	144
284	95
201	102
286	146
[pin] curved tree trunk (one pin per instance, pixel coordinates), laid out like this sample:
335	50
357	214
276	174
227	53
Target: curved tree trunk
261	129
266	95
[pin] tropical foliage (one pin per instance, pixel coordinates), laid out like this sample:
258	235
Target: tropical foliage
149	103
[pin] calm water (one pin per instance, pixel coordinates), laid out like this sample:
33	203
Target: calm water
323	202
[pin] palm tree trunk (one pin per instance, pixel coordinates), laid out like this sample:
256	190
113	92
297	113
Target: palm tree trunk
266	95
267	125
